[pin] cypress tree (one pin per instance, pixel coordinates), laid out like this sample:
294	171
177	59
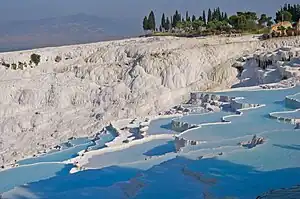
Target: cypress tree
209	16
176	18
213	15
151	21
187	18
163	21
174	21
193	18
218	14
225	17
285	7
289	7
145	23
168	24
204	17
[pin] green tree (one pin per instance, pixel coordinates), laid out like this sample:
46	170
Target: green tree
209	15
218	25
187	18
176	18
294	10
145	24
151	21
248	15
204	17
214	15
238	21
285	16
197	24
193	18
168	24
163	21
244	21
218	14
35	58
263	20
225	17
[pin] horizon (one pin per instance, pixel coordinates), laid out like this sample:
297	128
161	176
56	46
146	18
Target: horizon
35	9
32	23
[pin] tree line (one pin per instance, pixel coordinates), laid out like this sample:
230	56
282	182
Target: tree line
218	20
288	13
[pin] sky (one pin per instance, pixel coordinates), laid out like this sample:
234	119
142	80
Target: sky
135	9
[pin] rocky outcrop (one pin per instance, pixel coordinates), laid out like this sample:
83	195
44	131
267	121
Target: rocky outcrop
253	143
269	67
181	143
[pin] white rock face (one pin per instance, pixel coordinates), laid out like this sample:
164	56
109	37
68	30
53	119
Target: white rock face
265	67
96	83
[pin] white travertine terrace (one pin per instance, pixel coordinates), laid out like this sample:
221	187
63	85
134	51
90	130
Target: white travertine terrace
93	84
270	67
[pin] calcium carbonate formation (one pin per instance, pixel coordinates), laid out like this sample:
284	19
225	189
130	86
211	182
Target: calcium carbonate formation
77	90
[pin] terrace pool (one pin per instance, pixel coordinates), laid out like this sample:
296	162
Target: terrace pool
160	126
57	156
218	167
26	174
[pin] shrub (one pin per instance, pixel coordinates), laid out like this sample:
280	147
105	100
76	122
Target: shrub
14	66
21	65
35	58
58	58
5	64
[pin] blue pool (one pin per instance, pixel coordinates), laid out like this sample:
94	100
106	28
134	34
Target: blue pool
26	174
57	156
217	167
160	126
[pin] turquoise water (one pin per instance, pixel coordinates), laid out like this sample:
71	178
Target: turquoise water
252	121
26	174
160	126
57	156
79	141
79	144
233	171
48	165
135	153
100	143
